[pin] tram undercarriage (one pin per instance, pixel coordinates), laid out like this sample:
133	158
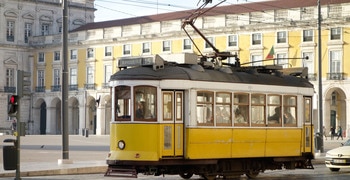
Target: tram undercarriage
208	169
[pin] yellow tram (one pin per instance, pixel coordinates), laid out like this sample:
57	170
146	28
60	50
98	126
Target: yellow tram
180	115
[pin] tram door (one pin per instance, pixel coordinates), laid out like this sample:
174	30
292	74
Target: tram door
173	126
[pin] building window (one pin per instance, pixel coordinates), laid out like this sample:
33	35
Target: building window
90	53
73	76
41	57
166	46
27	31
57	56
108	73
146	49
308	35
187	44
282	37
41	78
282	60
256	60
73	54
108	51
90	75
45	29
232	41
57	77
335	33
211	40
127	50
10	77
256	39
10	33
335	61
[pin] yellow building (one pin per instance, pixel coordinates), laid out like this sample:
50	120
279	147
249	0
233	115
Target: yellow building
288	30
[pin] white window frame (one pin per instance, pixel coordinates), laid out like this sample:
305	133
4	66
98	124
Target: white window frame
335	61
41	57
127	50
335	34
166	46
307	34
256	39
41	78
73	54
186	45
146	48
232	40
108	51
280	36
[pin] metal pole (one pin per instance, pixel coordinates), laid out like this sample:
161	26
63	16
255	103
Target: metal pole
65	138
320	109
18	137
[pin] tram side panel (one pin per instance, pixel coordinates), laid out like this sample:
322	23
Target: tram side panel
212	143
141	142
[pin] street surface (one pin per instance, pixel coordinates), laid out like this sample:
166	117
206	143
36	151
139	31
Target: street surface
319	173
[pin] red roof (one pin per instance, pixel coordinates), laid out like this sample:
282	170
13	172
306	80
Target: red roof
230	9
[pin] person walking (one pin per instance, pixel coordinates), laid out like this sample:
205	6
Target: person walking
340	133
332	132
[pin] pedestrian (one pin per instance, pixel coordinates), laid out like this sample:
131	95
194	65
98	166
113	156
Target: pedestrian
340	133
324	132
332	132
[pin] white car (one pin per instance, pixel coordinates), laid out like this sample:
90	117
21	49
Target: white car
339	157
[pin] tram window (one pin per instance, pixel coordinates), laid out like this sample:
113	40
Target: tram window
122	103
258	109
205	108
307	109
289	110
179	107
241	109
223	109
167	106
145	103
274	109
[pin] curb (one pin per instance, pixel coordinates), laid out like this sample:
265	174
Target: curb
65	171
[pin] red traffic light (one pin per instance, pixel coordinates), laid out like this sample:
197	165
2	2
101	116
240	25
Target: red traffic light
13	99
13	105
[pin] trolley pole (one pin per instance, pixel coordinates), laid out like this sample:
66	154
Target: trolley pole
320	104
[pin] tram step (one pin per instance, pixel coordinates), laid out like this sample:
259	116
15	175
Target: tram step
118	172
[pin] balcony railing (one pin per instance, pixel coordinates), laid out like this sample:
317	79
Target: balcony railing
9	89
105	85
312	77
40	89
56	88
336	76
90	86
73	87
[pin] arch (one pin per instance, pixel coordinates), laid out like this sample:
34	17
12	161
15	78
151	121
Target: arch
55	116
40	117
334	108
73	115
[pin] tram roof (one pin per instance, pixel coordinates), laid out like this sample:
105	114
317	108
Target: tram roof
186	72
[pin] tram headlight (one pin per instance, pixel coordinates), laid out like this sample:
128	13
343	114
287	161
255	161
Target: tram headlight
121	144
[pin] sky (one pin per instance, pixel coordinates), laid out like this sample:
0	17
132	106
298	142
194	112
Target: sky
121	9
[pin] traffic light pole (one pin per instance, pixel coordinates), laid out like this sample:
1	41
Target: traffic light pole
18	141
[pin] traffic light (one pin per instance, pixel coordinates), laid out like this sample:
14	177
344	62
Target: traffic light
13	105
23	83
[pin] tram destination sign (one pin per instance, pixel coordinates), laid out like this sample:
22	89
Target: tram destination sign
135	61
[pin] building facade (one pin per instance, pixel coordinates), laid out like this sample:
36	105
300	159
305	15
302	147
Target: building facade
20	21
287	29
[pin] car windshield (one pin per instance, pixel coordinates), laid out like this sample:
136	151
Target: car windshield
347	143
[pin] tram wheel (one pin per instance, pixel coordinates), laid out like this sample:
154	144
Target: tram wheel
252	174
186	175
